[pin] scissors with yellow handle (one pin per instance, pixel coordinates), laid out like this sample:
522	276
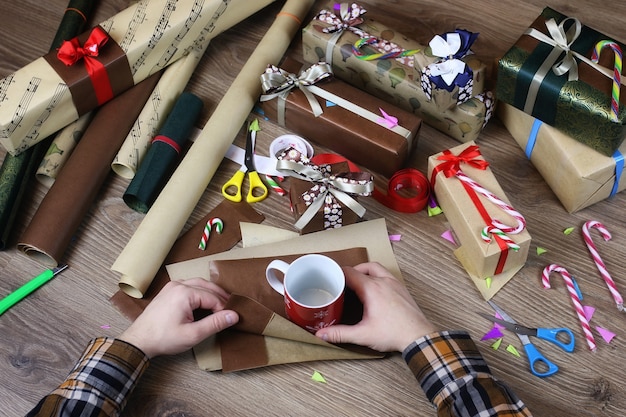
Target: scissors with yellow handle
257	190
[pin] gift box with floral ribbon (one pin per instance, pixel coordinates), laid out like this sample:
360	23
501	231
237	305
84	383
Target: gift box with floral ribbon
568	76
442	82
86	72
492	235
323	196
365	129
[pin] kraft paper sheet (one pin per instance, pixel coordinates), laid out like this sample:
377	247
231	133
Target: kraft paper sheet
272	242
170	211
63	208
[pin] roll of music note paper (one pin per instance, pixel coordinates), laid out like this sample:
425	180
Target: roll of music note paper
48	94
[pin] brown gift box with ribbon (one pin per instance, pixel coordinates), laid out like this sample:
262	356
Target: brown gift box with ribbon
579	176
53	91
348	121
331	37
492	236
549	73
323	197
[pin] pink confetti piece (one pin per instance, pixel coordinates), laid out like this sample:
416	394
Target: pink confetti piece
606	334
395	238
589	312
389	121
105	326
499	326
447	235
494	333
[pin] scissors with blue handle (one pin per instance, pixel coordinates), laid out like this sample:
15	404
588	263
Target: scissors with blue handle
257	190
553	335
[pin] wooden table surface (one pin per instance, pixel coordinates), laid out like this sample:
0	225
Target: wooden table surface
43	336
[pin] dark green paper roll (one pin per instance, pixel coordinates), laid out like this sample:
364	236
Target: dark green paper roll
17	171
164	153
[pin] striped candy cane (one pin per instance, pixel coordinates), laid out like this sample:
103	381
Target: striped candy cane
489	230
599	263
617	72
571	288
213	221
521	221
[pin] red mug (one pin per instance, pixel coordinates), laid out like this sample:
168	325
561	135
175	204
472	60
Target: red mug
313	287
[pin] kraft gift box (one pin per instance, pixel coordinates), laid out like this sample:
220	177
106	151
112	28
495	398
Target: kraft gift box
577	102
578	175
469	214
397	80
56	89
351	122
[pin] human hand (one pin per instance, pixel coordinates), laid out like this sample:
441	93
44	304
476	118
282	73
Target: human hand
391	318
167	326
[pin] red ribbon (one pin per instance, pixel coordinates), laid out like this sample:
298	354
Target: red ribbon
71	52
408	178
452	165
168	141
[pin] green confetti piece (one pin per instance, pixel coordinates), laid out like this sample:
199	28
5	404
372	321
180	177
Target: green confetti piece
511	349
568	230
488	282
254	126
434	211
540	250
317	377
496	344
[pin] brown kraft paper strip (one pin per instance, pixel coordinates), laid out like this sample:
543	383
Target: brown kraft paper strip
63	208
259	305
186	247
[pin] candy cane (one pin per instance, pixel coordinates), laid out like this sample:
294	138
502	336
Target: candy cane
599	263
213	221
571	288
272	183
488	230
521	221
617	72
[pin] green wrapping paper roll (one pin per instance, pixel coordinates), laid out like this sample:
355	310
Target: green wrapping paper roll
16	171
161	159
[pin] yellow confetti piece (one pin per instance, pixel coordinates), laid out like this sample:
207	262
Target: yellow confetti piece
488	282
317	377
541	251
511	349
254	126
568	230
496	344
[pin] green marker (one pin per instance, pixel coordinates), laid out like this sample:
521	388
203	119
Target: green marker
26	289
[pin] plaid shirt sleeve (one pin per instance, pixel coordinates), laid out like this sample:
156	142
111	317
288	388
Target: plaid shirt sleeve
100	382
456	378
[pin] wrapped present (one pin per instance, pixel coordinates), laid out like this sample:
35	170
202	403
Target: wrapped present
492	234
551	73
56	89
323	197
443	83
579	176
334	114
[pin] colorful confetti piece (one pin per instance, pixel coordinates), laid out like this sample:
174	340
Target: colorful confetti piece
511	349
589	312
447	235
568	230
541	251
317	377
606	334
395	238
488	282
496	344
494	333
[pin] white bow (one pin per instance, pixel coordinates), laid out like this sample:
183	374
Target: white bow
449	68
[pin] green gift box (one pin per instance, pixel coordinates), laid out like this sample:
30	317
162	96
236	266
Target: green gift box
397	80
549	73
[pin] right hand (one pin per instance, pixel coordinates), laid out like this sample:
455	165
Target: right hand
391	318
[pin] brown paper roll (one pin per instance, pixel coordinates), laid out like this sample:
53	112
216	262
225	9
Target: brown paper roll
64	206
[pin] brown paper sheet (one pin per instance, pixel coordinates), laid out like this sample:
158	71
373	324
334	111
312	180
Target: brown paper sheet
262	312
170	211
63	208
186	248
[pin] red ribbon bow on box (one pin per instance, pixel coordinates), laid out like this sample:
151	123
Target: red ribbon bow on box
327	190
452	167
71	52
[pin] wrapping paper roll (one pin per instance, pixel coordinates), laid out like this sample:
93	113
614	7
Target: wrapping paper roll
171	85
16	171
164	153
170	211
61	211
